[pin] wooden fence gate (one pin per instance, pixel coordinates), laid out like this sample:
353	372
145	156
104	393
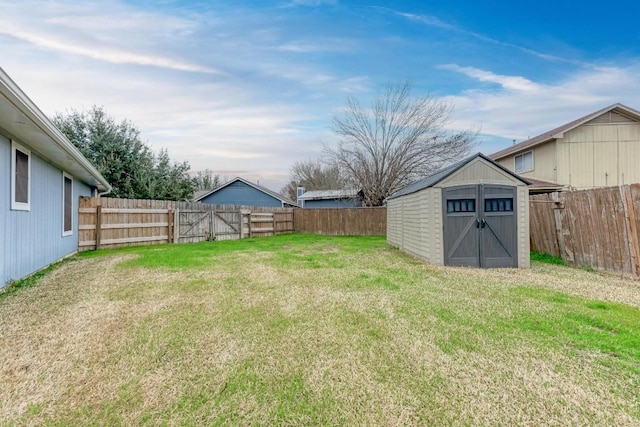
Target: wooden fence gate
199	225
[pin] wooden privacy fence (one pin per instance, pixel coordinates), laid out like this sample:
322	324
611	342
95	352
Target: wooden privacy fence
112	223
595	228
338	221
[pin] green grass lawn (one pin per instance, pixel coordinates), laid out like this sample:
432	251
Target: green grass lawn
313	330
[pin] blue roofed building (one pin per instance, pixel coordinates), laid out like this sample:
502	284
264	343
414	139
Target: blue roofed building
239	191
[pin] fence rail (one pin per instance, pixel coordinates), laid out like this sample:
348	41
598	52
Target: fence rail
595	228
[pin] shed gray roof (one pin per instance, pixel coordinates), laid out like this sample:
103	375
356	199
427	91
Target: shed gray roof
329	194
557	132
443	173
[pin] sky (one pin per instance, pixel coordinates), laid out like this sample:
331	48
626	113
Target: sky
247	88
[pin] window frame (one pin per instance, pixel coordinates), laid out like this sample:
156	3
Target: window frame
65	177
522	156
506	203
464	206
16	205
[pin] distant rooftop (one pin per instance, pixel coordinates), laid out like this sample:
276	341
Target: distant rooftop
329	194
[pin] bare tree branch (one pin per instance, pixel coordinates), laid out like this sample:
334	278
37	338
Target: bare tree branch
397	140
313	175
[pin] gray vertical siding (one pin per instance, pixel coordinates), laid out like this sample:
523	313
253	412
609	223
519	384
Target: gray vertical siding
33	239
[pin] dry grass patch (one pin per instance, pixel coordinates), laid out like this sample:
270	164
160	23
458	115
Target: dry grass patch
316	331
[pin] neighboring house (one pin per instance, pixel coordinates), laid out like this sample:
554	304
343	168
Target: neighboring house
239	191
329	198
42	176
598	150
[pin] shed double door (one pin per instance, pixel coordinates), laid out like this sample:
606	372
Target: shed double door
480	226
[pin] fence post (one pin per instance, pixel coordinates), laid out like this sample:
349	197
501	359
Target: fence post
98	225
557	214
274	222
170	216
249	223
631	229
212	231
176	226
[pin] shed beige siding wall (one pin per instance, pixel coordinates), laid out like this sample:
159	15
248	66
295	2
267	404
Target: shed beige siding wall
599	155
394	223
544	162
414	224
524	258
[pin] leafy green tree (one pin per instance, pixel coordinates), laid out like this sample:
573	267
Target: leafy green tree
130	166
206	180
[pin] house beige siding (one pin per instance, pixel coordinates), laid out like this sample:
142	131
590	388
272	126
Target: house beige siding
544	162
629	154
599	155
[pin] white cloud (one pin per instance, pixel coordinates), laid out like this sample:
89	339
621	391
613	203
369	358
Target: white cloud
435	22
429	20
121	36
311	3
100	52
512	113
318	45
517	83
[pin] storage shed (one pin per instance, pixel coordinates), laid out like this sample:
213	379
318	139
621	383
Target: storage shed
473	213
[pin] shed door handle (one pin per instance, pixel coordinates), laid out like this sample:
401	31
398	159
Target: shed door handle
484	223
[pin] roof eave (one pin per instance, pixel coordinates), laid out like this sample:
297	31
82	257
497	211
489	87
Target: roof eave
55	141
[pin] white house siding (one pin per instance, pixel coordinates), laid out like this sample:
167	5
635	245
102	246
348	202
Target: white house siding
33	239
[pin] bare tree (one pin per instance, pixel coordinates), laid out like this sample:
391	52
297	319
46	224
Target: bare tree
396	141
313	175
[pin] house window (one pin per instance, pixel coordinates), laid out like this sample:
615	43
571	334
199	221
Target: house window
20	178
524	162
67	205
461	205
